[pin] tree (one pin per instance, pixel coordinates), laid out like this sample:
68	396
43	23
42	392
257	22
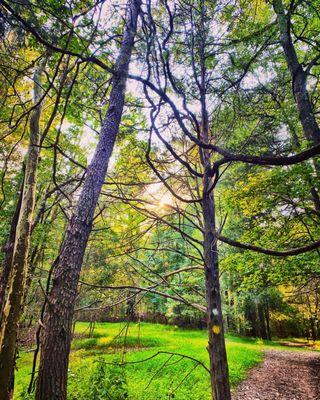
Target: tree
229	147
187	56
18	271
56	337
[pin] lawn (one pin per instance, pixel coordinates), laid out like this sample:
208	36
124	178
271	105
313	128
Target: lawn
164	376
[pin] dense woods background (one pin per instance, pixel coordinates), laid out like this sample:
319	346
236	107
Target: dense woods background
159	163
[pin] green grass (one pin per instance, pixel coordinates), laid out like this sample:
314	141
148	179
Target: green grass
159	376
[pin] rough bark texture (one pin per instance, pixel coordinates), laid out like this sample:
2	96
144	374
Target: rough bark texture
299	76
19	268
56	337
8	250
216	346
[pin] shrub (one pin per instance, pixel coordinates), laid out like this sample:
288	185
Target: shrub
106	382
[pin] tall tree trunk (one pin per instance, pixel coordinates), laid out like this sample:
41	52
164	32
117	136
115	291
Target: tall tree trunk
228	324
251	317
216	346
219	372
8	250
262	322
299	78
13	306
56	336
267	313
298	75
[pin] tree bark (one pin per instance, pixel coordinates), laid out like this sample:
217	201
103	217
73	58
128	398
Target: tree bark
299	78
216	346
56	336
251	317
267	312
8	250
262	322
219	371
19	268
298	75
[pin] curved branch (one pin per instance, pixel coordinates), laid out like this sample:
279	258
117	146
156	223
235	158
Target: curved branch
148	290
270	252
29	28
161	352
228	156
267	160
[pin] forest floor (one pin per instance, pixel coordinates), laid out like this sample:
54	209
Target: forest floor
153	365
283	375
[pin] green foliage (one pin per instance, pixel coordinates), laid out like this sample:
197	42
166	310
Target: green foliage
108	383
104	383
136	240
149	379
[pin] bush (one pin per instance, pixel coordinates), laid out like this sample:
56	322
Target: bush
106	382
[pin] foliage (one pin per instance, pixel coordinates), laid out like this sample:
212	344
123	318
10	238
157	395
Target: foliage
104	383
149	379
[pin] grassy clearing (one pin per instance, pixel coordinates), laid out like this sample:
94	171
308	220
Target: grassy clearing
161	377
298	343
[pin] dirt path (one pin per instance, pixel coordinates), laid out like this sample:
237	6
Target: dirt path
283	375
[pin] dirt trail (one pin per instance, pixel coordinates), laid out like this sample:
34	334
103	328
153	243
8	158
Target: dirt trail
283	375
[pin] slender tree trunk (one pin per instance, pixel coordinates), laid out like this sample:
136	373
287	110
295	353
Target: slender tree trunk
251	317
312	329
267	312
56	337
219	372
13	307
228	317
262	322
8	249
299	76
216	346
